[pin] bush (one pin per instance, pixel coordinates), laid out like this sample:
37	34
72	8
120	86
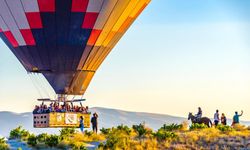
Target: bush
67	132
239	127
105	131
88	133
224	128
32	140
171	127
78	146
185	126
195	126
25	135
15	133
124	128
19	133
42	137
2	141
52	140
3	145
141	130
163	135
118	138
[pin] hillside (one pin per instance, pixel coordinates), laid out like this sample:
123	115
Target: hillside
107	118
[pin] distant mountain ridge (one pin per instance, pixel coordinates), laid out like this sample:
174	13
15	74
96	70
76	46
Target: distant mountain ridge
107	118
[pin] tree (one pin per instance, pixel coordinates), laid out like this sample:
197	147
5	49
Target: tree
140	130
42	137
19	133
67	132
52	140
3	145
32	140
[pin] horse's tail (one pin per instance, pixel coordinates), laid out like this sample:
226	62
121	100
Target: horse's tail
210	122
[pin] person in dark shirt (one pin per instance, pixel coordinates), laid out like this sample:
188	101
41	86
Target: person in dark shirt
94	122
223	119
81	124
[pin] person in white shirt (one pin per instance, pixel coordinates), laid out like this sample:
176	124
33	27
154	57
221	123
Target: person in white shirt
216	117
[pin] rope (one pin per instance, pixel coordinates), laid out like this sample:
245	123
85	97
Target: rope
43	86
73	97
39	84
34	84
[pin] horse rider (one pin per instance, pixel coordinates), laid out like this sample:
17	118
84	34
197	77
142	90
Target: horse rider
199	114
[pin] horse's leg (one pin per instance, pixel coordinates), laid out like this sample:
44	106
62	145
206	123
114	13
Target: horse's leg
208	123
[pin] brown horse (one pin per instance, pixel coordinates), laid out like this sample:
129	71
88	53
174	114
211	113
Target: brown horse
204	120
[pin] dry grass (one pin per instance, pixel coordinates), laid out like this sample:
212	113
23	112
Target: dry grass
176	137
212	138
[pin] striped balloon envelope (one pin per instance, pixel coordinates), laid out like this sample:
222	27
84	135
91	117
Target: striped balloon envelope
65	40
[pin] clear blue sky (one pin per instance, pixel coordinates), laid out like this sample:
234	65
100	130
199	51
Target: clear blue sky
177	56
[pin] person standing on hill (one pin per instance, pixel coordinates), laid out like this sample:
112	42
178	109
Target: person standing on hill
81	124
223	119
94	122
236	119
216	117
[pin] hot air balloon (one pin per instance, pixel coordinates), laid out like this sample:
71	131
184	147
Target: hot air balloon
65	40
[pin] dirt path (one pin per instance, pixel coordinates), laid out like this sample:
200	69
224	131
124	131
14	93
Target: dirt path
92	145
15	144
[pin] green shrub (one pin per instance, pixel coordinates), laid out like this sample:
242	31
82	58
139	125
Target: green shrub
141	130
118	138
2	141
113	142
19	133
32	140
67	132
52	140
124	128
101	145
42	137
25	135
163	135
3	145
15	133
195	126
224	128
79	147
88	133
105	131
171	127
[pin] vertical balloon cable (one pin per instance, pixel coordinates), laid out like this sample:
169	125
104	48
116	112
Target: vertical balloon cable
43	85
33	82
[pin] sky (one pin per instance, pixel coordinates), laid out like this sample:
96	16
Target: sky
177	56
